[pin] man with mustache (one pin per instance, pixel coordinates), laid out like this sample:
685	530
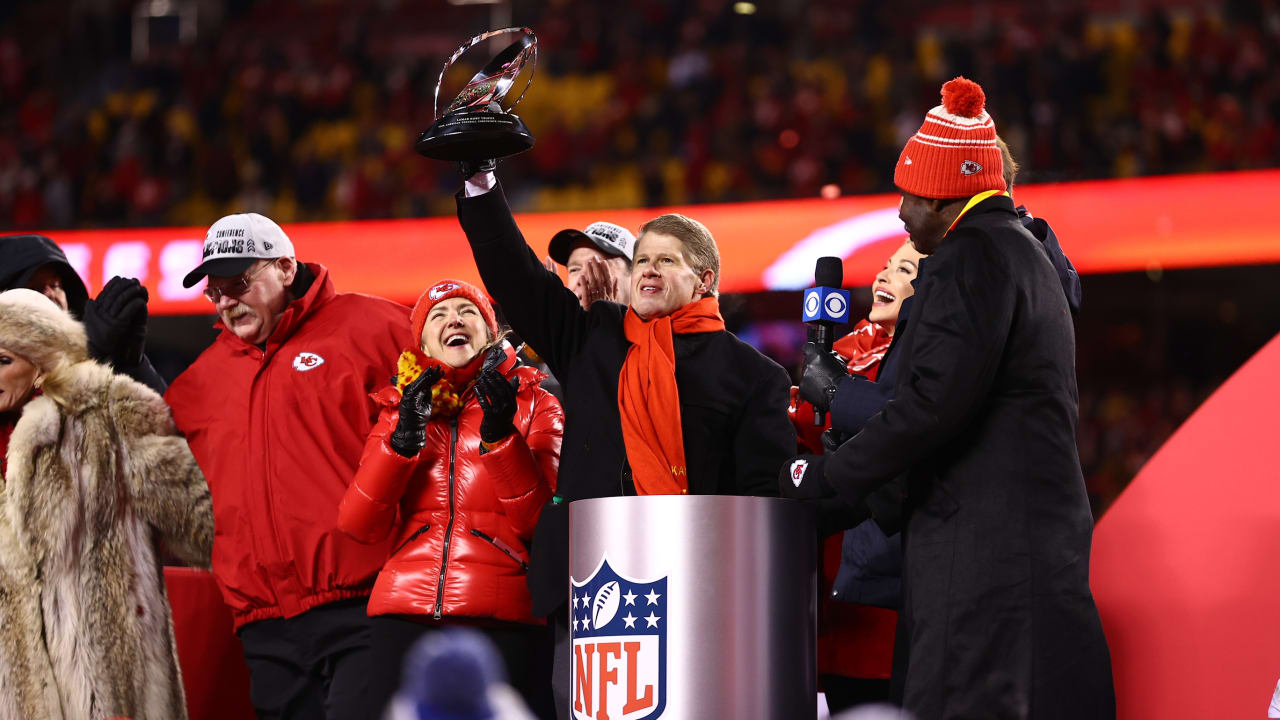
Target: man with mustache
276	411
659	398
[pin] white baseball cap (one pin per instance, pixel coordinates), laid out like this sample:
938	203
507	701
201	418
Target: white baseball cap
611	239
237	241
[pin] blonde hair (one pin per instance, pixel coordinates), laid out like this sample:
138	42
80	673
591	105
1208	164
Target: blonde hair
58	379
699	247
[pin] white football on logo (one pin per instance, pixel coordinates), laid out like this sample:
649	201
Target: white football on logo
605	604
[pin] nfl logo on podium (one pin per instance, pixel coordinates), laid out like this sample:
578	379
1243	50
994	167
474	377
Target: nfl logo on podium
618	631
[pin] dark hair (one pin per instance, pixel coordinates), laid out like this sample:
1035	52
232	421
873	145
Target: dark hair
1010	165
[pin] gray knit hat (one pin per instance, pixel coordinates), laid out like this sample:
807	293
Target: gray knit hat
34	327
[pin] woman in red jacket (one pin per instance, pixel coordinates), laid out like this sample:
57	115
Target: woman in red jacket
855	642
463	457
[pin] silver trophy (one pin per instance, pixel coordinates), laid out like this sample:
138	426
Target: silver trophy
475	126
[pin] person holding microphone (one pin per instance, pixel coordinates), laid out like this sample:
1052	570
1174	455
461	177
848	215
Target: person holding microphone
999	618
861	567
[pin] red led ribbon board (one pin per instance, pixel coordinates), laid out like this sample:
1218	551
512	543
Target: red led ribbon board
1104	226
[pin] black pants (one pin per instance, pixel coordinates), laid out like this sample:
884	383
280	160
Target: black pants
314	665
846	692
563	655
525	651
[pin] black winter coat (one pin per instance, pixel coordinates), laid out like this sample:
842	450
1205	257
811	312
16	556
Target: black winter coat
733	400
1001	621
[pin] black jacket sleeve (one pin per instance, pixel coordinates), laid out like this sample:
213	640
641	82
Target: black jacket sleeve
765	438
855	401
539	307
959	333
145	373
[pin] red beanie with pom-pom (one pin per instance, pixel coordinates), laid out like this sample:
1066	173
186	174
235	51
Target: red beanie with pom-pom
954	153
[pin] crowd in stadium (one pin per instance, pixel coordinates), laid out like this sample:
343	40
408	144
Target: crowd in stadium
316	123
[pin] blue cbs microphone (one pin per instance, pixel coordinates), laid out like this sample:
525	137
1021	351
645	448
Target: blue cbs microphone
825	306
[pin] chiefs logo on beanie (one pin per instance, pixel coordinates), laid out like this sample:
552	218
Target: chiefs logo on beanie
954	153
444	290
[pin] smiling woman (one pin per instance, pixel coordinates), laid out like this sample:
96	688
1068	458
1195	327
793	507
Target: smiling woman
456	472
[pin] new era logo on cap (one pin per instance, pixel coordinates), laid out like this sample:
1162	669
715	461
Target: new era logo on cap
234	242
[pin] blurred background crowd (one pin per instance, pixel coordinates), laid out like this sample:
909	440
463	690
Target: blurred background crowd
307	110
121	113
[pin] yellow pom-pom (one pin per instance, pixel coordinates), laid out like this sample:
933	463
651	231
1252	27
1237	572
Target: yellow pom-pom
407	369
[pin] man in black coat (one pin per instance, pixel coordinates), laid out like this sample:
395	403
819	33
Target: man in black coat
115	322
732	399
999	617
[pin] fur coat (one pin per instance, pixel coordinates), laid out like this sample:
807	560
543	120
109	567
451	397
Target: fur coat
94	483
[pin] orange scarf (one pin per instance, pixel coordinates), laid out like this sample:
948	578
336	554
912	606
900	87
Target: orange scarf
649	400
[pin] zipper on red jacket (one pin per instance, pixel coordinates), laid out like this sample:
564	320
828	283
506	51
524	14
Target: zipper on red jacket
411	538
269	497
448	530
502	547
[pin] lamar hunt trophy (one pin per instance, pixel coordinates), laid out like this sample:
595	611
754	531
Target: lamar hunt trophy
475	126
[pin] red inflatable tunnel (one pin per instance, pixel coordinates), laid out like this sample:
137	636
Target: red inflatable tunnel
1185	567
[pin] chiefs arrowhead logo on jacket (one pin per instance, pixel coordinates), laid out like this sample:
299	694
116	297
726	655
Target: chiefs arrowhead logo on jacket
305	361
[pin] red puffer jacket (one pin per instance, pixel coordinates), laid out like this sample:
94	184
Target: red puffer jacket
465	518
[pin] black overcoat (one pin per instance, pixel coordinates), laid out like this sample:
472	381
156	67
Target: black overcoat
1000	617
733	400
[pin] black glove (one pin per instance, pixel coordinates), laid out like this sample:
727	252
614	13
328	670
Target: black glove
822	375
804	477
415	410
832	439
498	400
472	167
116	322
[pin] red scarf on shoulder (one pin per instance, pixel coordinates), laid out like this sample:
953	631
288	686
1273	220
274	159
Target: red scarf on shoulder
649	400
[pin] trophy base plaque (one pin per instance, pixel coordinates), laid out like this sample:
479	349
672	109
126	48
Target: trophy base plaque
474	135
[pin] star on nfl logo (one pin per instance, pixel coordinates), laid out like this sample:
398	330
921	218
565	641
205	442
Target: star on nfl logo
618	631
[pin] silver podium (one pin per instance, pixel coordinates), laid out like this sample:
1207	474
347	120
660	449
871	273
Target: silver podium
692	608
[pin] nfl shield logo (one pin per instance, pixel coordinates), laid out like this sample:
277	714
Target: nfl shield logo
618	631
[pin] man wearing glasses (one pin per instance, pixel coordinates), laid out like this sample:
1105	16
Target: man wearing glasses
277	410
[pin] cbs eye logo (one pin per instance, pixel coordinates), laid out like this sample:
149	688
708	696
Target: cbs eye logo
811	303
834	305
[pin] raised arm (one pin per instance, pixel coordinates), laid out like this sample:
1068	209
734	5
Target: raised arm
539	307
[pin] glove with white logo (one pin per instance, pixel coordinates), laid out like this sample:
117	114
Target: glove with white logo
804	478
822	375
415	410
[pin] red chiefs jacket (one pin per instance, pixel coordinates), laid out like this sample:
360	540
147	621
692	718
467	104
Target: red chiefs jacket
278	432
460	521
